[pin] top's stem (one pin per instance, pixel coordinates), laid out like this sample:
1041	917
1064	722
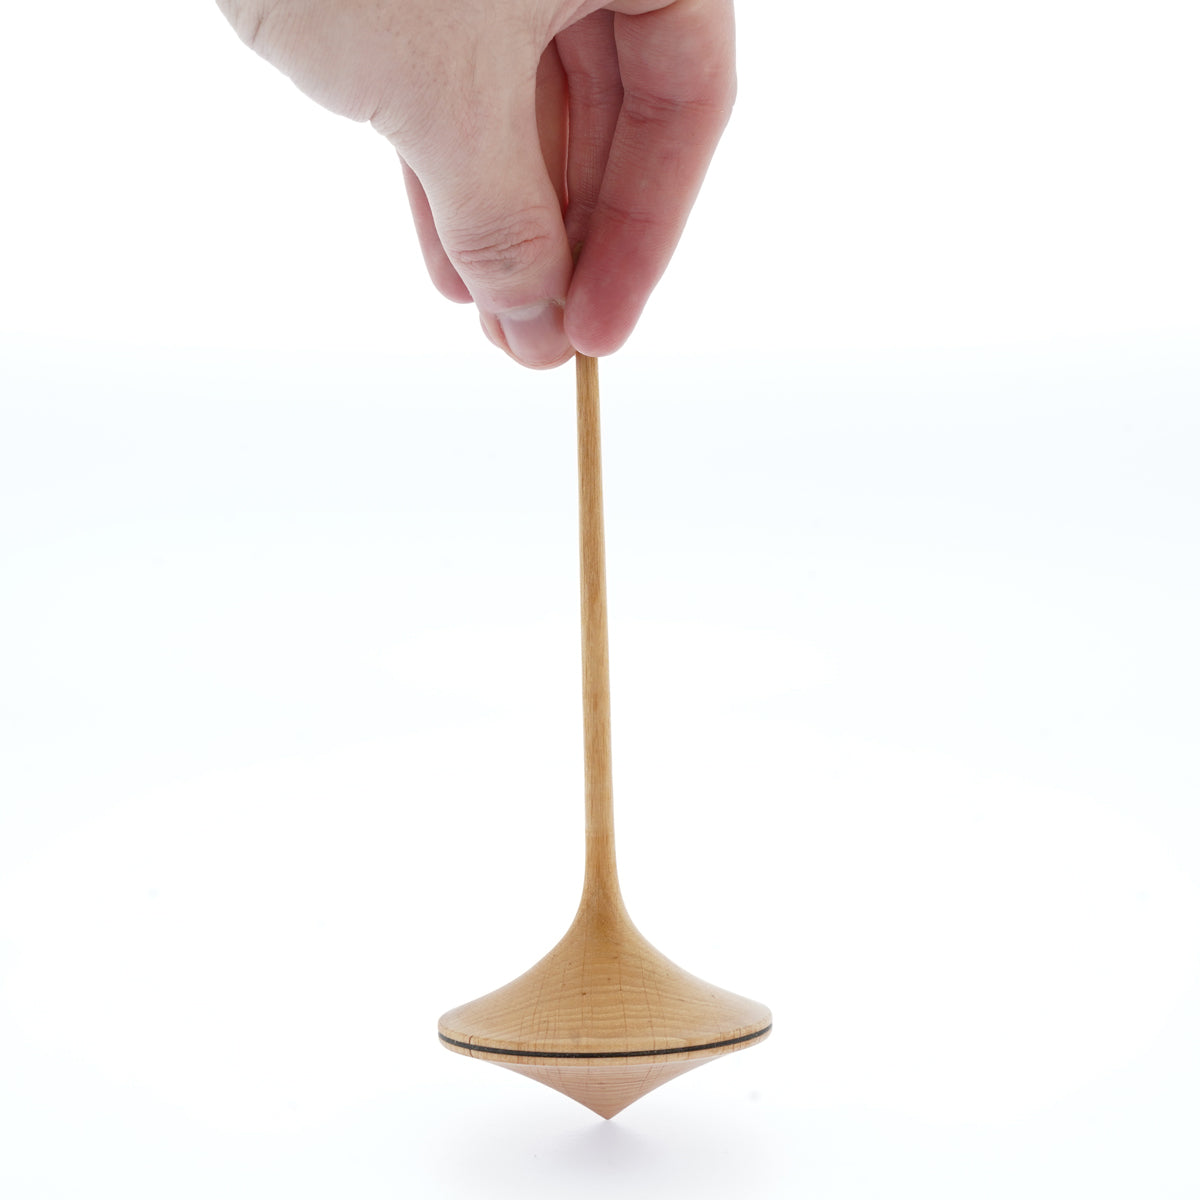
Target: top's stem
600	870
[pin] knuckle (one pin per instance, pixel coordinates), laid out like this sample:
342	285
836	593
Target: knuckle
668	112
502	247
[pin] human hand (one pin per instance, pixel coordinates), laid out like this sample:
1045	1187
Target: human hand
552	149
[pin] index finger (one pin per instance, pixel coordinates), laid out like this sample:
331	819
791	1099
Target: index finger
677	70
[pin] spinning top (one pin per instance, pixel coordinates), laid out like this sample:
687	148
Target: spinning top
604	1017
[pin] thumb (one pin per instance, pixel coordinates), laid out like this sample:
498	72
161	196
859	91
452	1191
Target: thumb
497	213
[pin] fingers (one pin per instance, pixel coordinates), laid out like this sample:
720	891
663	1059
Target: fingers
589	57
487	197
650	91
677	72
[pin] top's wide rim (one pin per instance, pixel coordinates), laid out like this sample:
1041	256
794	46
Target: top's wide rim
576	1055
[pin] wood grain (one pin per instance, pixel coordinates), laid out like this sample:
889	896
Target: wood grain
600	863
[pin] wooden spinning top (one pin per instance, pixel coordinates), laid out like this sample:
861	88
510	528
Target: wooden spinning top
604	1017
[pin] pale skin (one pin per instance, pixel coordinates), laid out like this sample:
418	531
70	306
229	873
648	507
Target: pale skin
552	149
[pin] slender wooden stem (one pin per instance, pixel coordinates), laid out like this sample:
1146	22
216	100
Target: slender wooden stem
600	869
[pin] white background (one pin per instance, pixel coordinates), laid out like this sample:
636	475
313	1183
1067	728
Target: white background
903	527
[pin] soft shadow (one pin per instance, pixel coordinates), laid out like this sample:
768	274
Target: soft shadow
667	1149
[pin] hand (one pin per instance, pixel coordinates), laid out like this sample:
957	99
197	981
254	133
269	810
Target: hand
552	150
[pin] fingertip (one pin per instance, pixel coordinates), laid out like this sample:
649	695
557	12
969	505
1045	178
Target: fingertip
448	281
600	348
491	330
533	336
599	343
598	328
